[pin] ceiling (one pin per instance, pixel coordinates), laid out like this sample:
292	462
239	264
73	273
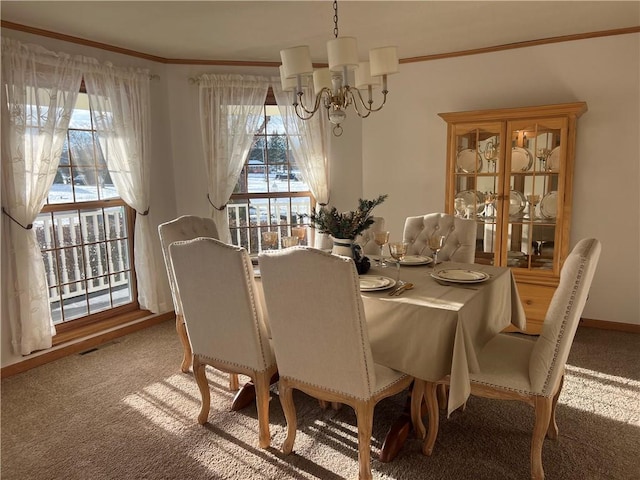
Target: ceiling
255	31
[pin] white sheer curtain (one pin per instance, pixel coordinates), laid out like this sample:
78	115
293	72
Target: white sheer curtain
121	108
309	141
230	114
39	91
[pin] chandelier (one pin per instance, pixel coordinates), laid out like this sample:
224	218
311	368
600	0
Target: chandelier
333	91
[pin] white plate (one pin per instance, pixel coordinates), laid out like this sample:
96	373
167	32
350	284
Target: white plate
416	260
468	160
371	283
460	275
553	162
521	159
471	197
517	202
549	205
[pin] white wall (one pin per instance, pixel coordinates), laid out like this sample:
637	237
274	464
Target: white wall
401	150
404	145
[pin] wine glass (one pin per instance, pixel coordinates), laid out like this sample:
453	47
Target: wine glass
381	239
398	250
543	155
491	155
533	199
270	240
460	206
489	200
299	232
436	242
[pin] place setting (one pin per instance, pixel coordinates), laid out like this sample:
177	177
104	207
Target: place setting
398	252
374	283
460	277
415	260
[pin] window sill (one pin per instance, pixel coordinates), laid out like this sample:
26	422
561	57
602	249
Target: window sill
66	335
87	337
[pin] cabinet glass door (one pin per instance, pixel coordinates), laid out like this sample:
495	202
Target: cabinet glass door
479	160
511	171
535	165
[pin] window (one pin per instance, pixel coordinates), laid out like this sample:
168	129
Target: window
271	194
85	233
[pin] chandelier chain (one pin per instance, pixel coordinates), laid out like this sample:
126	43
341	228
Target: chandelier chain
335	18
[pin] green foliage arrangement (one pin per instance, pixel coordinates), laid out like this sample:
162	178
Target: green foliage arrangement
347	225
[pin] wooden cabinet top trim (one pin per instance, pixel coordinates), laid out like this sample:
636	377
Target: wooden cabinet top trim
562	109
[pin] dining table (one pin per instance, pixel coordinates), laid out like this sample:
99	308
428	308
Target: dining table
438	327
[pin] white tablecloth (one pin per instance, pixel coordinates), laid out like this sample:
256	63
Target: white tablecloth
437	330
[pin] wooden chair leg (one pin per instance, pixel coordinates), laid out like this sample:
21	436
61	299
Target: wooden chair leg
364	416
334	405
552	431
289	408
203	386
181	328
234	383
442	396
434	417
262	400
543	416
417	397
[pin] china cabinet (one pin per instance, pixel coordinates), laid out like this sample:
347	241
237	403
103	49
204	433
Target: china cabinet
512	171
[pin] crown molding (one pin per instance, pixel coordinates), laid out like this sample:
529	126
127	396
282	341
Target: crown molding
528	43
424	58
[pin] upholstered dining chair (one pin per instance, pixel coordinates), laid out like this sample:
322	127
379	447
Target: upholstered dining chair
224	319
460	236
365	239
321	342
513	367
186	227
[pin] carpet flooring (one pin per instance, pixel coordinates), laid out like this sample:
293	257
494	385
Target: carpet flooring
125	411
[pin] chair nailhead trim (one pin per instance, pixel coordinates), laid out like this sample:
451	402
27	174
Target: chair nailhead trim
508	389
564	324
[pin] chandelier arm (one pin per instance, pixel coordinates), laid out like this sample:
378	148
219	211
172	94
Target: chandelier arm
359	103
357	109
316	105
384	100
300	112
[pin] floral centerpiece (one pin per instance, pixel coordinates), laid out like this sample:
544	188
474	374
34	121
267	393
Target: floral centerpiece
346	225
